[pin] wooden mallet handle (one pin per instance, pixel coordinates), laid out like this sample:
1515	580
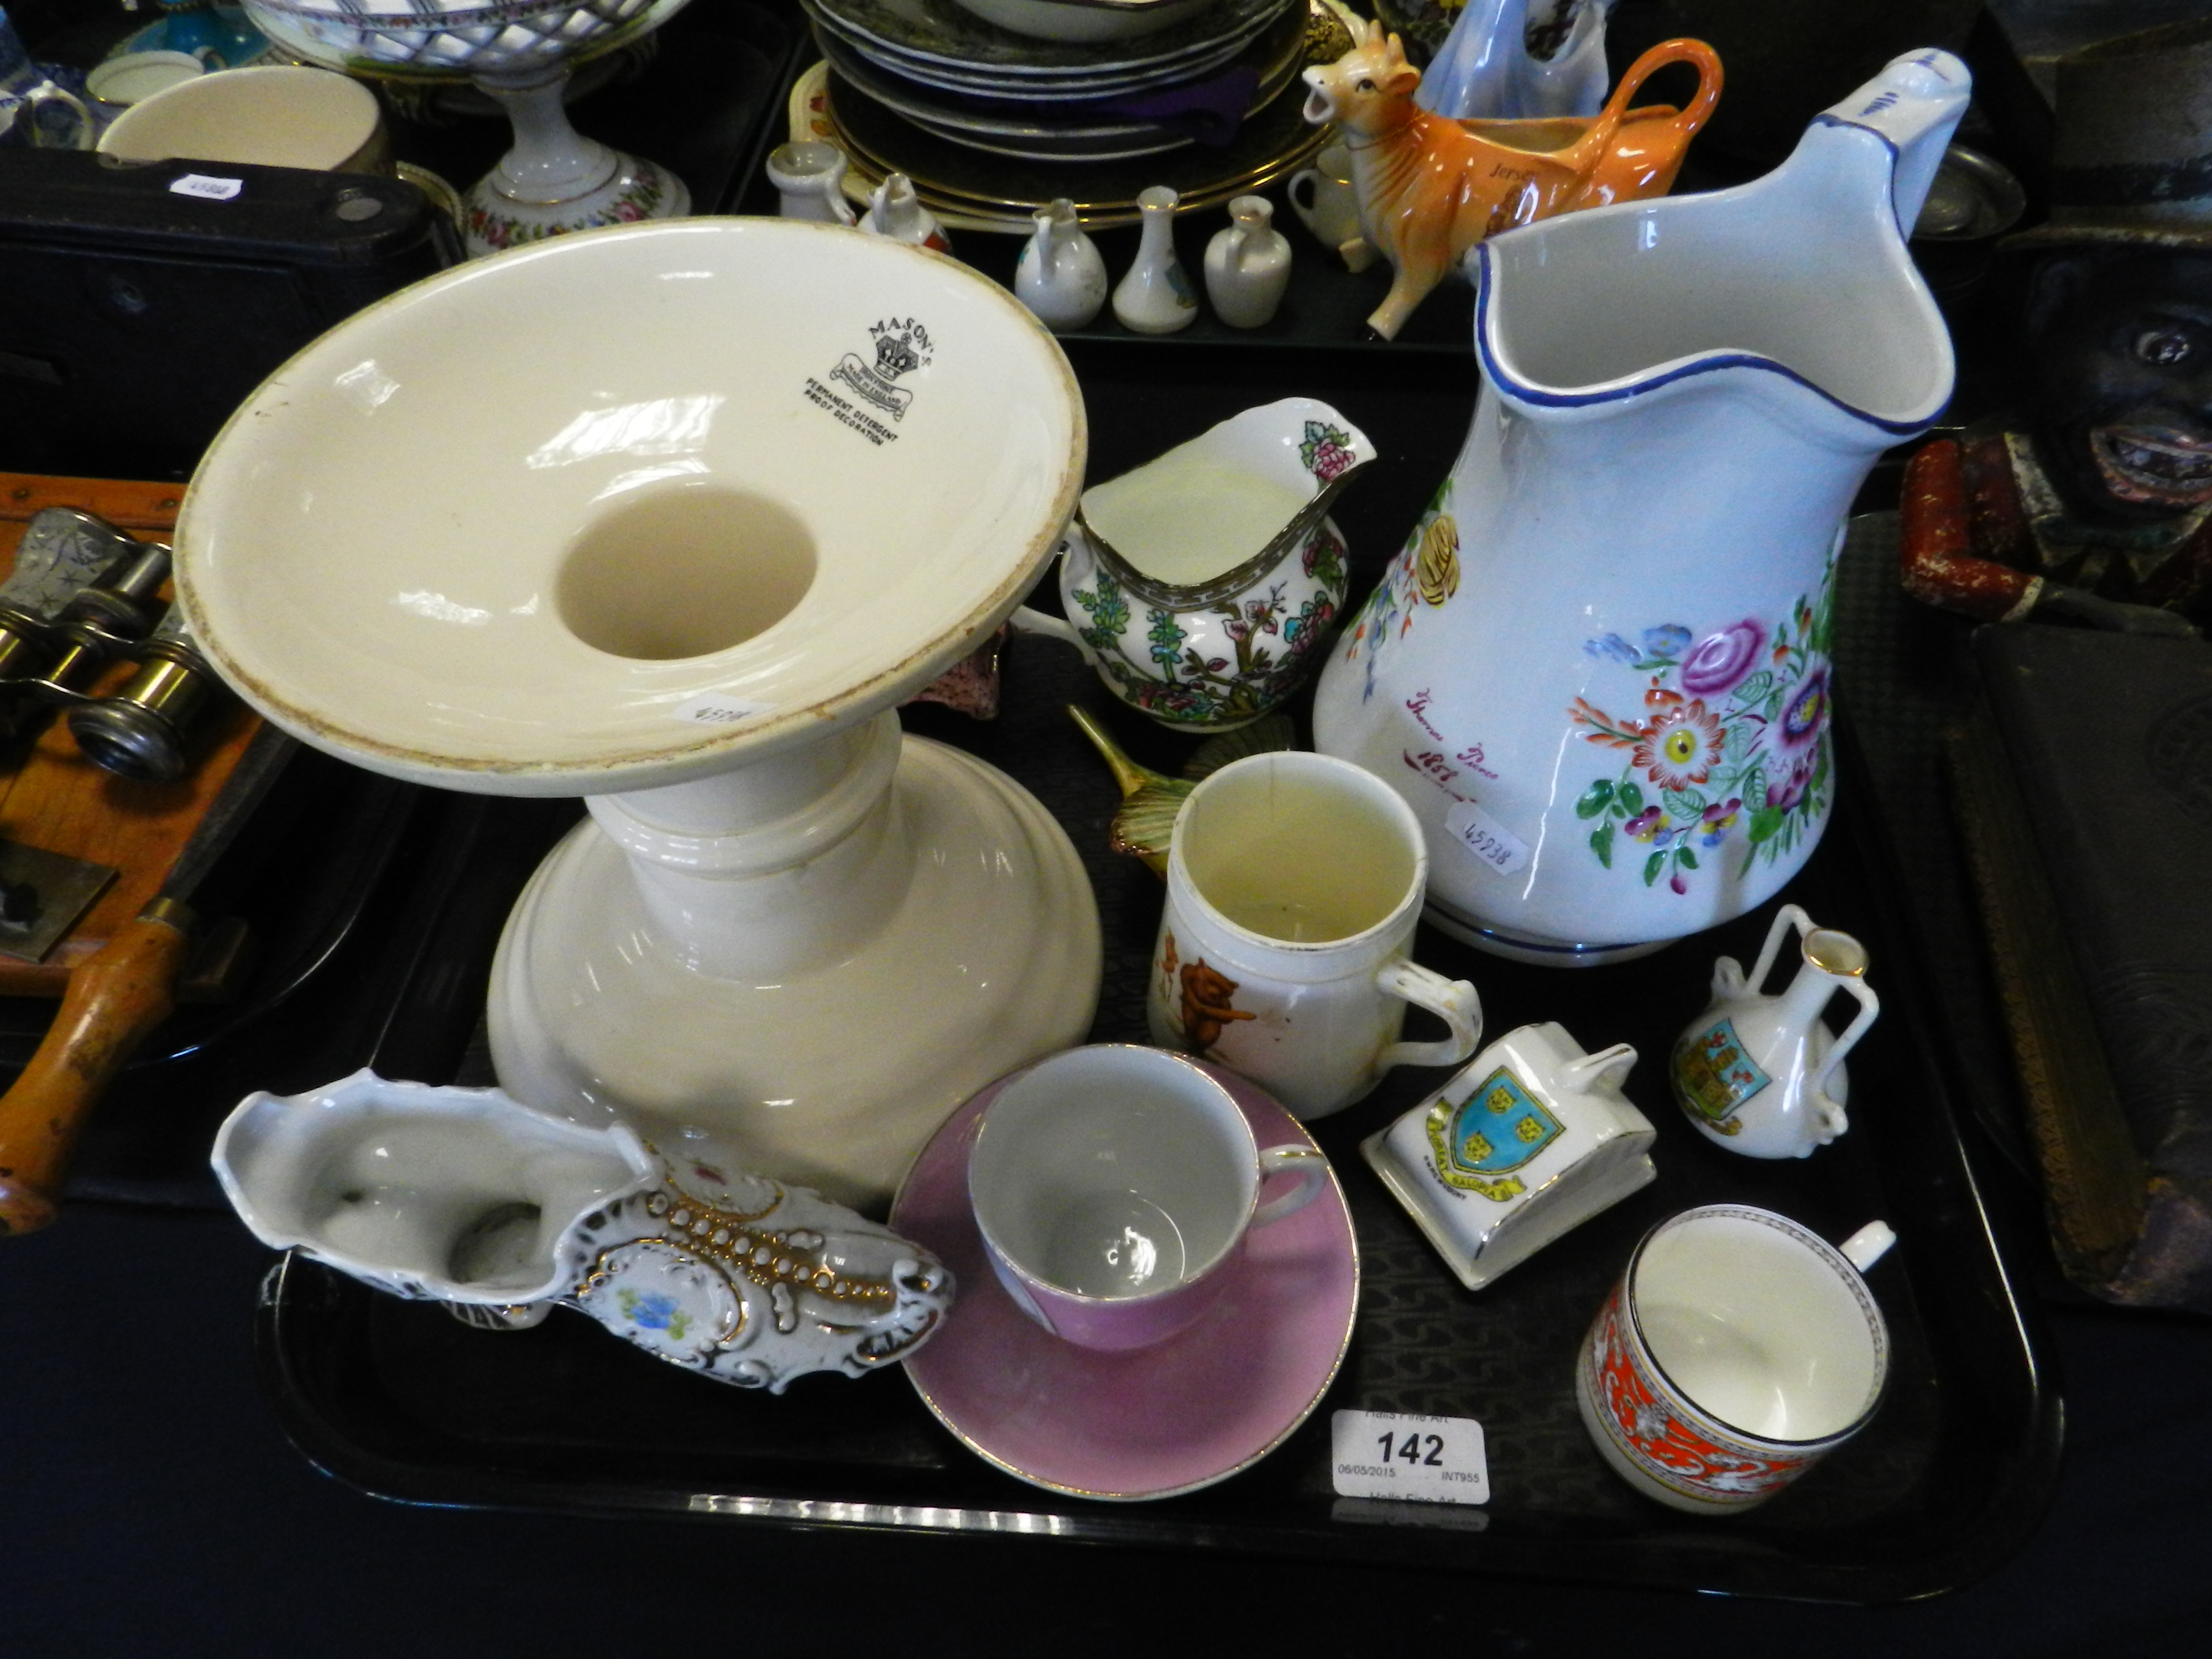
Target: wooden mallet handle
115	997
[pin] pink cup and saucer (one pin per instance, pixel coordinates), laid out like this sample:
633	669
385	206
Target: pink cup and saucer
1180	1413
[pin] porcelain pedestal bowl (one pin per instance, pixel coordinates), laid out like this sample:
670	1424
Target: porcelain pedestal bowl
519	52
688	574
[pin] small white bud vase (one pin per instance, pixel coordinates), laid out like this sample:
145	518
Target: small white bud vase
1763	1075
1060	274
810	180
1155	297
894	211
1248	265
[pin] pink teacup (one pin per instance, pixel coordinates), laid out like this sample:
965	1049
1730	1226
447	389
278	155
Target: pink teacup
1112	1184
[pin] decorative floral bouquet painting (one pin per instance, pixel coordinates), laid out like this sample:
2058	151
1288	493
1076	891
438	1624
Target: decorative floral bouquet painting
1731	746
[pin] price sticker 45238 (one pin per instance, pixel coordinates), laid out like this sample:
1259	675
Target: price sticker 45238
1498	847
1433	1459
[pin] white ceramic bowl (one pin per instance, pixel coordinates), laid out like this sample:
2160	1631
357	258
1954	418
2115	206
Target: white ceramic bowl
1084	21
136	76
513	528
281	116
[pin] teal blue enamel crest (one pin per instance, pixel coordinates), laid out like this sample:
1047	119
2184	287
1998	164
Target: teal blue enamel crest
1481	1142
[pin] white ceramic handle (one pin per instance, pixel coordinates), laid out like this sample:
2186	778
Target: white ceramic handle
1454	1000
1869	1245
1913	106
1789	916
1027	621
1308	1164
1870	1005
1311	178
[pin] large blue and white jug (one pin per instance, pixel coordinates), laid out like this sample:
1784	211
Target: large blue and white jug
1600	669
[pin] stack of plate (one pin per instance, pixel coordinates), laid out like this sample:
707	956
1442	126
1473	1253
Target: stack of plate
969	189
954	77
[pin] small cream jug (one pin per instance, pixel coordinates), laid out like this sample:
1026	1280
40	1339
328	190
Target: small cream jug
810	181
1060	274
467	1197
1247	266
1762	1075
1204	586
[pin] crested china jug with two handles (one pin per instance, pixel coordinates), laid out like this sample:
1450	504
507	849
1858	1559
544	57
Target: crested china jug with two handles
1599	671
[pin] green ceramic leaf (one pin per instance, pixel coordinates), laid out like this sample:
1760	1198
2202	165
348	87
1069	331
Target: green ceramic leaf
1601	844
1652	866
1632	797
1146	821
1594	799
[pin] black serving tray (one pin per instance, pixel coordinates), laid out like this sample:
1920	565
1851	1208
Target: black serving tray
372	908
403	1400
1952	1476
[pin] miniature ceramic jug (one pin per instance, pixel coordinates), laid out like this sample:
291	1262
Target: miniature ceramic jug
1484	70
1248	265
467	1197
894	211
1156	296
1327	204
1599	668
810	179
1059	275
1762	1075
1202	586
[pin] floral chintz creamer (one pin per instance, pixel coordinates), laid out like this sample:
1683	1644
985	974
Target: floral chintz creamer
1220	664
1212	661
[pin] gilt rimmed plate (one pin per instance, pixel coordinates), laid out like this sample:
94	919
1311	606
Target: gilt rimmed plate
974	76
939	31
1080	133
1005	189
1269	39
1160	1421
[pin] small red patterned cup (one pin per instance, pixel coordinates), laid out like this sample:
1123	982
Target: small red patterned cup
1736	1352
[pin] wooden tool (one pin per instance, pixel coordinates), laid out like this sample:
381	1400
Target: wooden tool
55	799
114	999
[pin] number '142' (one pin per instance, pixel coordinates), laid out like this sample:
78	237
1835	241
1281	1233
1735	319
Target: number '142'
1414	1448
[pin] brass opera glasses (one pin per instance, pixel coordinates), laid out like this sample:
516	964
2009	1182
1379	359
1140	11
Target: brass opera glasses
83	595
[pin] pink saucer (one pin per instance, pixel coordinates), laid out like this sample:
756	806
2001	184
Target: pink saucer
1194	1409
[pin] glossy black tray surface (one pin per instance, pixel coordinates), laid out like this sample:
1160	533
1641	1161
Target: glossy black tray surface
1954	1473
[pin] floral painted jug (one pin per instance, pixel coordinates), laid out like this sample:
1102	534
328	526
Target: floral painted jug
1600	669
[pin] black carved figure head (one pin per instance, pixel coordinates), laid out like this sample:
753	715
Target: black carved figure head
2119	312
2121	344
